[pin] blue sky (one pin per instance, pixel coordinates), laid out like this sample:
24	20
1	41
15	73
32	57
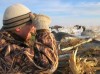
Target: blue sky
62	12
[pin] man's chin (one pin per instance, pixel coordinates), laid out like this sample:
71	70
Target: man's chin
33	34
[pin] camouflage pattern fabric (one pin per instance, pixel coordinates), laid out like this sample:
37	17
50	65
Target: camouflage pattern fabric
19	57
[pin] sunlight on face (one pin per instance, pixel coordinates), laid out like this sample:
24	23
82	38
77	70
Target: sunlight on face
27	30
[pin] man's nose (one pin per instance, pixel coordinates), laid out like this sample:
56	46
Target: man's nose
33	30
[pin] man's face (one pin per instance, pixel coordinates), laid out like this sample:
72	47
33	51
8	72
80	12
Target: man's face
27	31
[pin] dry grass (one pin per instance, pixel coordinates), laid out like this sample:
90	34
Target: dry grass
84	61
82	66
69	43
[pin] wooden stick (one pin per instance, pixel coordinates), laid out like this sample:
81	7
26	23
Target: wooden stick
69	48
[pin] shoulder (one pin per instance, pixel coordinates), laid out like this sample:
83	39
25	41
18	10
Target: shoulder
3	36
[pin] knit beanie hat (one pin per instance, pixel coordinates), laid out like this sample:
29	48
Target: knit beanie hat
15	16
41	22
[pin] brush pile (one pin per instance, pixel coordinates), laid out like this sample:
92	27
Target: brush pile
82	58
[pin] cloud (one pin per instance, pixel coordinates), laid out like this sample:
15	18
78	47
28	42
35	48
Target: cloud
82	8
87	8
57	6
66	12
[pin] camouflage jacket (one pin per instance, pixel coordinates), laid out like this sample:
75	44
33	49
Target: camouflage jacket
17	56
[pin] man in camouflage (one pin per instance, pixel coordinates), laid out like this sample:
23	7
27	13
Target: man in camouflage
26	44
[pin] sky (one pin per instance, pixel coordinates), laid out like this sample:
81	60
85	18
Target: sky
61	12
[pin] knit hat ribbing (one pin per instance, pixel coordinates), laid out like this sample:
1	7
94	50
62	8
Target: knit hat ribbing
15	15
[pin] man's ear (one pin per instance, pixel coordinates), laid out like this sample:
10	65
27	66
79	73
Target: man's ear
18	29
